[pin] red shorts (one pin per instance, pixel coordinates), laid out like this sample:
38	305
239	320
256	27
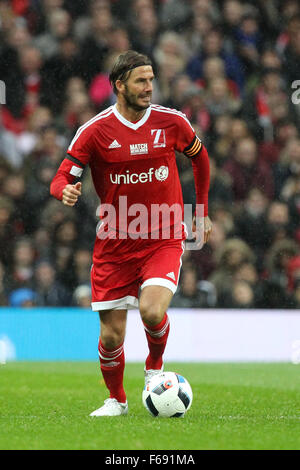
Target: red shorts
122	267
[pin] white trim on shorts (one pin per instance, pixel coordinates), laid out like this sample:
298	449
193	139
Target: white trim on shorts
125	303
160	281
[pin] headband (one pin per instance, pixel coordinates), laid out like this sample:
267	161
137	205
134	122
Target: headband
129	69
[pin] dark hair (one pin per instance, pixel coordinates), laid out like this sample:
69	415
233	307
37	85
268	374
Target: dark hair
124	64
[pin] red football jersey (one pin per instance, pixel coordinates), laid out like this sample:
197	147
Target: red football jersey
133	165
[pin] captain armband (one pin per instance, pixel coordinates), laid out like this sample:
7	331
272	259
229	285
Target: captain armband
194	147
77	168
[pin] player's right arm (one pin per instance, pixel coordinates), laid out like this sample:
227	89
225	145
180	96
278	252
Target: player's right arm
62	186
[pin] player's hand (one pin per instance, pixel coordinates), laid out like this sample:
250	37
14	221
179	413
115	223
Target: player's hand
71	193
201	230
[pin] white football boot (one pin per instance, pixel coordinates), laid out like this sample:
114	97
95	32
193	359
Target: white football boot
150	373
111	407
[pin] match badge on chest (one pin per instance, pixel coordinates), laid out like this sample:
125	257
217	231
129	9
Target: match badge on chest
159	137
138	149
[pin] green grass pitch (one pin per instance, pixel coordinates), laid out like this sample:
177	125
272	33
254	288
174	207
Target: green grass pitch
236	406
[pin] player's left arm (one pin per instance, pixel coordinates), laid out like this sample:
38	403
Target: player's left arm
189	143
202	225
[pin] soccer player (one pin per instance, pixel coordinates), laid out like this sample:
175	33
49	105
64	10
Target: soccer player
130	148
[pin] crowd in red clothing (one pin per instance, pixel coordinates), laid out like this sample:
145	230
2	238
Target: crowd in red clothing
231	66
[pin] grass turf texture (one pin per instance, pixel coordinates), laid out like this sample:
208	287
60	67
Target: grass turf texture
236	406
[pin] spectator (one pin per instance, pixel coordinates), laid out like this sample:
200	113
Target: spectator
227	132
296	296
214	67
222	214
292	50
291	193
250	222
240	296
247	171
23	297
175	14
58	28
21	273
200	26
9	148
181	86
31	63
195	108
190	293
219	99
96	45
14	188
273	296
249	38
248	273
267	105
38	188
49	291
144	33
220	186
7	232
3	296
278	267
278	224
170	56
82	296
213	47
66	234
229	257
49	146
82	265
288	164
293	271
284	131
205	259
205	7
56	72
232	11
35	123
53	214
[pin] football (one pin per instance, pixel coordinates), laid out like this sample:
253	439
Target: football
167	395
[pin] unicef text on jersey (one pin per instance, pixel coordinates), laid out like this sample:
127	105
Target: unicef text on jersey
155	222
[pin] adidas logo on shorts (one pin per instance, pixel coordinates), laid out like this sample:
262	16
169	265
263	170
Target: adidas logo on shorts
171	275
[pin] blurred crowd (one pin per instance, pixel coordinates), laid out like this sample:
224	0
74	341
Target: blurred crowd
231	66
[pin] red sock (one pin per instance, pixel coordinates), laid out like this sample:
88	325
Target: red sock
157	336
112	363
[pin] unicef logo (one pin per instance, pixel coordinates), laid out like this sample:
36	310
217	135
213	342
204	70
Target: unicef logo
162	173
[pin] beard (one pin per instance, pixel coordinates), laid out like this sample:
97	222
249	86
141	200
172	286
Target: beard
132	100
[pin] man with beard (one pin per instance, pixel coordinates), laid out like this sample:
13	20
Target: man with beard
130	148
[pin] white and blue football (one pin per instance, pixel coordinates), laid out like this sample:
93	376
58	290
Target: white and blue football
167	395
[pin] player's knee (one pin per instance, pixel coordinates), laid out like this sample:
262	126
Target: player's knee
151	314
112	338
